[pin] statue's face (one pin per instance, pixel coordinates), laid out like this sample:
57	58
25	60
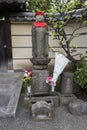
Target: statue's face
39	18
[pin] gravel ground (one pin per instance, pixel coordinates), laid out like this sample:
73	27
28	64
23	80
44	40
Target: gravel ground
62	120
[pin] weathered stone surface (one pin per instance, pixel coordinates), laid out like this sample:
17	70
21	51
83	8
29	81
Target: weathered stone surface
62	120
78	107
67	83
10	88
42	110
39	86
40	51
40	63
40	103
64	100
40	42
53	99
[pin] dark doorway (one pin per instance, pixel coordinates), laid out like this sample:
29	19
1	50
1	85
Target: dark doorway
3	48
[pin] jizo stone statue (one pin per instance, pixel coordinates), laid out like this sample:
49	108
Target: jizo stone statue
40	41
41	102
40	58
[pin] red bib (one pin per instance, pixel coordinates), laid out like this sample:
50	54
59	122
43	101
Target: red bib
40	24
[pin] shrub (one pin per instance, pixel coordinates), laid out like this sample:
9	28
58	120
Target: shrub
80	77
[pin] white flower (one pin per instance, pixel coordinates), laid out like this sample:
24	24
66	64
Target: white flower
25	74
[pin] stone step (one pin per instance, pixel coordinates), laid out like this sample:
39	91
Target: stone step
10	89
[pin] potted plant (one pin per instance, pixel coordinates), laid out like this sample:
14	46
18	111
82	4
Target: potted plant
80	77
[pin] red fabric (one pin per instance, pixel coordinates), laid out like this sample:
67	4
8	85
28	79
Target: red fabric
40	24
39	13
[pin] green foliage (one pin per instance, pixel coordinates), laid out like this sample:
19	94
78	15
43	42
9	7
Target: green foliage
53	5
27	81
38	5
80	77
65	10
75	4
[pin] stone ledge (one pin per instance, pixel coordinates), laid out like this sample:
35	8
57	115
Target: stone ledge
10	89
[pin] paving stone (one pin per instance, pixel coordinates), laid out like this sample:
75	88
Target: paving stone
10	88
62	120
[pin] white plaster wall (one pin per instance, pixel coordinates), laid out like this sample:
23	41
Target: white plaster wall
22	44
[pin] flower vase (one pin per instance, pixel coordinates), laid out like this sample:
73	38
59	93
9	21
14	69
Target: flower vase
29	89
52	88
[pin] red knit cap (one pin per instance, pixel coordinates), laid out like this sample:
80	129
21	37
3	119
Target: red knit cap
39	13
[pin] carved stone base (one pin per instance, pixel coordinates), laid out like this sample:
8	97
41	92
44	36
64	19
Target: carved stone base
53	99
42	108
39	86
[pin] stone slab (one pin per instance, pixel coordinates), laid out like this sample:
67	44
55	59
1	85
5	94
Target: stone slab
64	100
10	88
39	86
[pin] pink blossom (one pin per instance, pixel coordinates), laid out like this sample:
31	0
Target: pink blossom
48	79
29	72
52	83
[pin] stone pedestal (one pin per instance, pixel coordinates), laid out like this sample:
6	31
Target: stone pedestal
67	84
42	107
39	86
42	110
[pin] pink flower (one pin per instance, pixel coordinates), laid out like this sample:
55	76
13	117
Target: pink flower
27	73
53	83
48	79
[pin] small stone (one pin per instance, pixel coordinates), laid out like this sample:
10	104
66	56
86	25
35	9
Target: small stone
64	100
84	108
78	107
